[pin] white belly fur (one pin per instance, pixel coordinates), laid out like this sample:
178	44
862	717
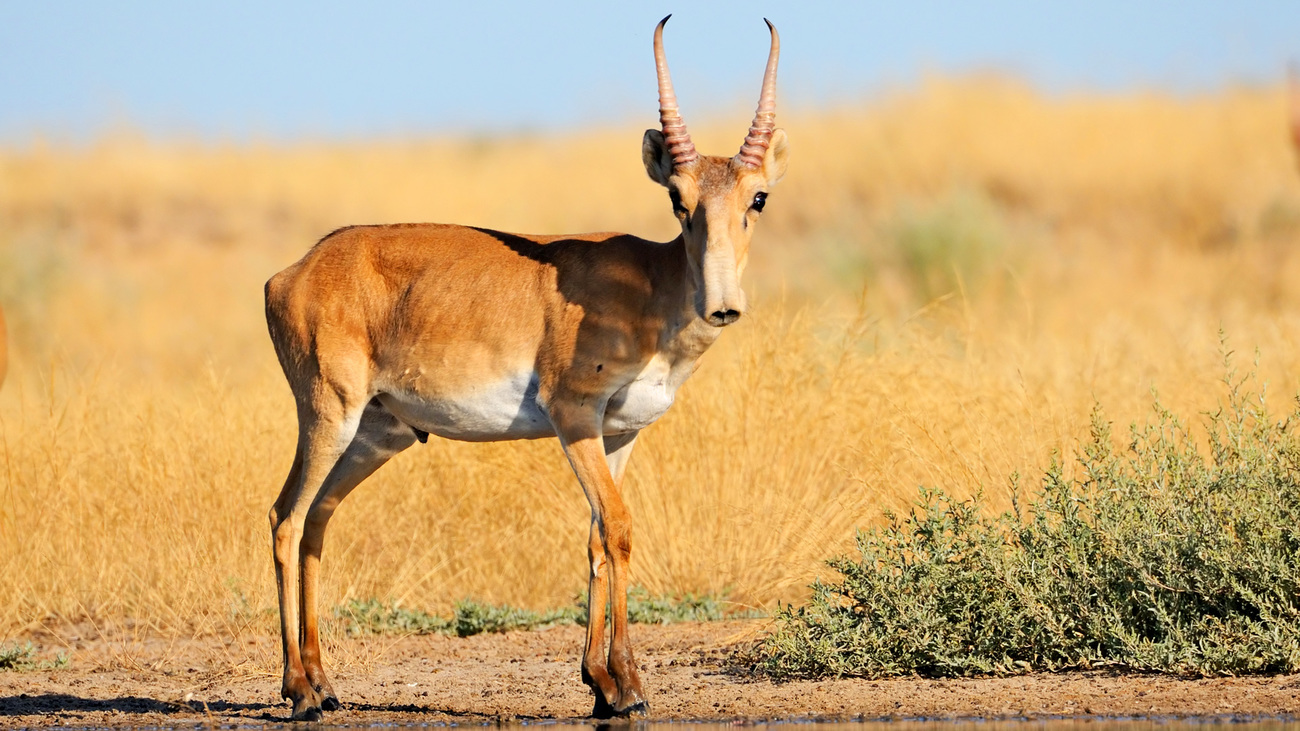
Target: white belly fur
504	410
508	409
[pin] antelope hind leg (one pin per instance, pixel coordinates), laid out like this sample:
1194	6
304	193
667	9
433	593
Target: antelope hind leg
379	437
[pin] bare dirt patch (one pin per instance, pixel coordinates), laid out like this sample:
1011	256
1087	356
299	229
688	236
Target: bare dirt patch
136	680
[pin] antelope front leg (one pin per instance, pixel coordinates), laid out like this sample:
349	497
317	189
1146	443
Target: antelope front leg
595	673
618	681
622	665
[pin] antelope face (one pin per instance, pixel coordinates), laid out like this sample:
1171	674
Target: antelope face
717	200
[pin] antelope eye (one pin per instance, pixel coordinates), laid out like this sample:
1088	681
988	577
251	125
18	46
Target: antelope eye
676	198
760	200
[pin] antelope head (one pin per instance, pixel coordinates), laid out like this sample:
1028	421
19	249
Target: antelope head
718	200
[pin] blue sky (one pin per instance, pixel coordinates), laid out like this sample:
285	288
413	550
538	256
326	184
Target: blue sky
333	70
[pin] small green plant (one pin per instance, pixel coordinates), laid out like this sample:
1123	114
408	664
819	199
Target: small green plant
241	609
371	616
471	617
1163	556
1280	220
645	608
34	266
953	243
22	657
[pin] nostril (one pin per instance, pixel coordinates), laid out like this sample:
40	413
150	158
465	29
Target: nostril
723	317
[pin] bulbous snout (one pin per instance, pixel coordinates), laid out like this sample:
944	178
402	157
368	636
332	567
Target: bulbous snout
724	302
721	302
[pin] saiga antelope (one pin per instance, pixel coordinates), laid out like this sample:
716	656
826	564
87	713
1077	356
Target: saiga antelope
1293	97
4	349
387	334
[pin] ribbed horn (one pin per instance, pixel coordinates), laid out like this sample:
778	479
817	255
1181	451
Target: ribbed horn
679	140
760	132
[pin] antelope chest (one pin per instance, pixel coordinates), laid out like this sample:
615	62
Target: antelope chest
641	402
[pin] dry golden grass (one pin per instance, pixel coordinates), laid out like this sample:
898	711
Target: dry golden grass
945	285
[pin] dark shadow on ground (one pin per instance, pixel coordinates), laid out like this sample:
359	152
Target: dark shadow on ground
55	704
49	703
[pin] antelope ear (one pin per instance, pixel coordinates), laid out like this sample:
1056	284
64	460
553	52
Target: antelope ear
654	153
777	157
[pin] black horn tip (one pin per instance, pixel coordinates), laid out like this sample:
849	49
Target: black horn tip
665	20
769	24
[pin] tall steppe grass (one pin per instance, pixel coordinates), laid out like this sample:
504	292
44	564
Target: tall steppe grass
947	282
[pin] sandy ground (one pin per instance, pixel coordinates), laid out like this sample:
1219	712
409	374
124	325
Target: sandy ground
533	676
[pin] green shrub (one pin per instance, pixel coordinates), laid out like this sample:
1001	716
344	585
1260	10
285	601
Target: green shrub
1163	556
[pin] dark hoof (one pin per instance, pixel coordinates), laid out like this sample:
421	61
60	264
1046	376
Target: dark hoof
640	708
311	714
602	710
329	703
